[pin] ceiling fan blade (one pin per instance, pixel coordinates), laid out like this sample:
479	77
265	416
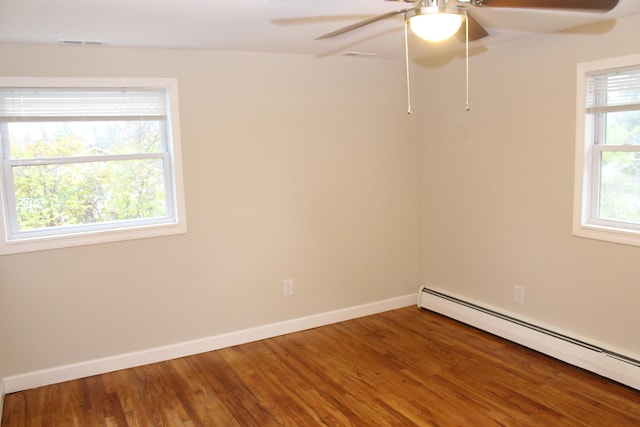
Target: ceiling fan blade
362	23
476	31
305	20
579	5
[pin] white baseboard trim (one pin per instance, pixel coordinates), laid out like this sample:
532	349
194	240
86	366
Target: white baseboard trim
577	351
158	354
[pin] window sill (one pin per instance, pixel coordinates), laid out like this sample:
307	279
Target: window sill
609	234
89	238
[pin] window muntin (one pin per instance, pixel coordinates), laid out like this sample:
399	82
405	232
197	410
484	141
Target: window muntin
88	164
607	203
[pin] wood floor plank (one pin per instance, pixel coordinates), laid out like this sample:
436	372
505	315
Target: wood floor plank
406	367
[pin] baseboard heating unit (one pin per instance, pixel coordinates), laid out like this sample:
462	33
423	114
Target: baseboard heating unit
609	364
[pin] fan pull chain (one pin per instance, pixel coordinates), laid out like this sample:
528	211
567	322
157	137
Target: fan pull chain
467	108
406	56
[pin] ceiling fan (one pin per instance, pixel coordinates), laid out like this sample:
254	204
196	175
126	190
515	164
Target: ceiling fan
436	20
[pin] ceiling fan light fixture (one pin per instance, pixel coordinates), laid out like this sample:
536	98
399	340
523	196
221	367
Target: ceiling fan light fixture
435	24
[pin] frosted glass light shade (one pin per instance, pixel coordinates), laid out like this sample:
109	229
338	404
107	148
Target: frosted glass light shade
435	27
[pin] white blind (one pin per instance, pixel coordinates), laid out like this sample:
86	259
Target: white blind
33	103
614	88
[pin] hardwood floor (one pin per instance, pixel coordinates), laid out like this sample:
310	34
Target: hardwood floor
404	367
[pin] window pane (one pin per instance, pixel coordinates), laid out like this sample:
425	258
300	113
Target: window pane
58	195
623	128
620	186
65	139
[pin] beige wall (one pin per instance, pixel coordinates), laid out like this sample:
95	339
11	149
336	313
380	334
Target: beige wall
295	167
496	188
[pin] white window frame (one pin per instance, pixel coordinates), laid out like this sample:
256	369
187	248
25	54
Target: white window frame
587	164
175	223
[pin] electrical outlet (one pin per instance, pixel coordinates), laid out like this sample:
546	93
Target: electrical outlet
518	294
287	287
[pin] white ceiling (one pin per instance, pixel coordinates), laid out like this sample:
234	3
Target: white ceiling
283	26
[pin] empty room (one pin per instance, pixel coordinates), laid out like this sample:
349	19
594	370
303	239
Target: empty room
290	213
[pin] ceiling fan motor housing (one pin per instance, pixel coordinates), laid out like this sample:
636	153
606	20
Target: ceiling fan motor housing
433	7
435	3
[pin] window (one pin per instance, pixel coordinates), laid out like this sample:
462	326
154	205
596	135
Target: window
607	181
88	161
